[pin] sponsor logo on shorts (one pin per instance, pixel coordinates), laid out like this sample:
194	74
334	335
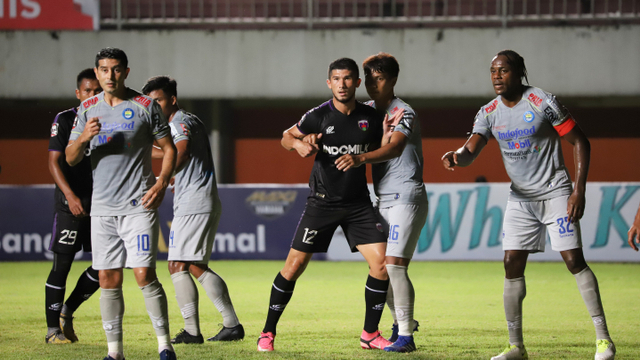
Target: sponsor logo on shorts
363	124
515	134
528	116
128	113
54	129
271	204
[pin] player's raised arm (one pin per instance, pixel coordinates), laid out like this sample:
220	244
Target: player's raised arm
581	159
634	232
292	139
153	198
465	155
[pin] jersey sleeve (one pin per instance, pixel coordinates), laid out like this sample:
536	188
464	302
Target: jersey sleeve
405	125
180	130
558	115
60	132
309	123
481	125
78	126
159	125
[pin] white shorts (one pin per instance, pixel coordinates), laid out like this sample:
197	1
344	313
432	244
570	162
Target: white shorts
192	236
125	241
405	224
525	224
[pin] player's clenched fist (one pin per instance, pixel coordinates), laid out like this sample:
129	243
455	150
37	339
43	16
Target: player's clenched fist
92	128
308	146
449	160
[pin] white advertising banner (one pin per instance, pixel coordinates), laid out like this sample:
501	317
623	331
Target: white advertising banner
465	223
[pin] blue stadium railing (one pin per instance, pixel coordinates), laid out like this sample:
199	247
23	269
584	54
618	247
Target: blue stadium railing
296	14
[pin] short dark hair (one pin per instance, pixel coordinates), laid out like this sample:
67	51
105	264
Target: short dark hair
162	82
383	63
345	64
88	74
112	53
516	62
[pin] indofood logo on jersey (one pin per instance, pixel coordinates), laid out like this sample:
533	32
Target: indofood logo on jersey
271	204
108	128
515	134
346	149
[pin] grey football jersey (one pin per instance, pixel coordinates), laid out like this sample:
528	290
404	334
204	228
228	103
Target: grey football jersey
529	138
399	180
196	191
121	152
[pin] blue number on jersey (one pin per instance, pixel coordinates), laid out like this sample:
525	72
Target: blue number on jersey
564	229
394	232
143	242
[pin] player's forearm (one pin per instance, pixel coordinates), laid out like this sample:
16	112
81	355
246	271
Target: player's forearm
465	157
289	141
75	151
582	158
182	160
59	179
389	151
168	164
156	152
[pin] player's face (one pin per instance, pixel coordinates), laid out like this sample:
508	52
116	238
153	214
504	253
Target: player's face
505	80
165	101
111	75
379	85
88	88
343	85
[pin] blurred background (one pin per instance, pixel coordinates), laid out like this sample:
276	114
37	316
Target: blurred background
251	68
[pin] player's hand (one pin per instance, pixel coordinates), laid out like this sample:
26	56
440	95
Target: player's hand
313	139
348	161
634	232
450	160
91	129
153	198
305	148
75	205
575	206
389	124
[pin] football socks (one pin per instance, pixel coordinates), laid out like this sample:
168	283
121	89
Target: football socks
281	292
404	297
588	286
112	310
187	297
218	292
87	285
156	301
375	295
514	292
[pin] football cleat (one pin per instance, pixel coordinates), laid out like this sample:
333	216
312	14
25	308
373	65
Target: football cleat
66	324
375	340
605	350
265	341
229	334
56	337
394	330
110	358
404	344
184	337
167	355
512	352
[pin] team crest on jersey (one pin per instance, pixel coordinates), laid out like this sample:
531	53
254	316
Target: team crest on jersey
363	124
54	129
379	227
528	116
128	113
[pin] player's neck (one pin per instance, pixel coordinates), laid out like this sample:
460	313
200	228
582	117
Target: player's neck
115	98
175	111
512	99
383	103
345	108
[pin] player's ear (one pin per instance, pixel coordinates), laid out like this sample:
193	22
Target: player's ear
394	81
77	94
174	100
329	83
126	74
358	82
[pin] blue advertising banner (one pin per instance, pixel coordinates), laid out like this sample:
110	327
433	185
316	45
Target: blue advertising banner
258	222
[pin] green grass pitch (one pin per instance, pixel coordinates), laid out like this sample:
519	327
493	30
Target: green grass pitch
458	304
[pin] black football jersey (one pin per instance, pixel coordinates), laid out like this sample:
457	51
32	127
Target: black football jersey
79	177
356	133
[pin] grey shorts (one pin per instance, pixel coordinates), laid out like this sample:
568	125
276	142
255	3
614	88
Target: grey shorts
125	241
405	222
525	224
192	236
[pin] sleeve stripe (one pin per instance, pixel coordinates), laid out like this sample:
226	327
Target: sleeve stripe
565	127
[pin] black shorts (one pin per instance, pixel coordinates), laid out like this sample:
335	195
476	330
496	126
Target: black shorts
70	234
360	223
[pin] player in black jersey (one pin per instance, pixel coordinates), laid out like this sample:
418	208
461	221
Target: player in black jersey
337	198
71	222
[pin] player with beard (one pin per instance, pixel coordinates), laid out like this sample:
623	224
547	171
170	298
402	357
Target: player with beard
337	198
528	123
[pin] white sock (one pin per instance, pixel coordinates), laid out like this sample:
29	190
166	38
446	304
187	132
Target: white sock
404	298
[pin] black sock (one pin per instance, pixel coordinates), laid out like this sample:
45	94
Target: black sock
55	286
375	295
281	293
88	283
